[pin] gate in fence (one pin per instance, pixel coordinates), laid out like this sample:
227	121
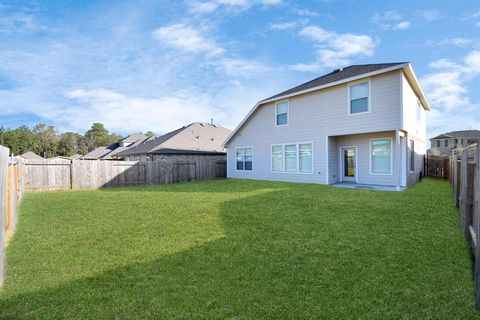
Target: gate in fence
437	166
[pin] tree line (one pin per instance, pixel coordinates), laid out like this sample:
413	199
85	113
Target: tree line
45	141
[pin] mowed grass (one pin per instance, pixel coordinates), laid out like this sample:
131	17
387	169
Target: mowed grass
241	250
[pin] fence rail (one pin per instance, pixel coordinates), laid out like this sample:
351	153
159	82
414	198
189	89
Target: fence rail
465	183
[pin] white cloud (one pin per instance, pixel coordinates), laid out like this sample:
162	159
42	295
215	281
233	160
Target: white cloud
335	49
304	12
187	38
447	91
118	111
241	67
401	25
235	5
390	20
429	15
288	25
459	41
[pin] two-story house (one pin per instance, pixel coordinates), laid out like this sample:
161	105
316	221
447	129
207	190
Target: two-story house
443	144
363	124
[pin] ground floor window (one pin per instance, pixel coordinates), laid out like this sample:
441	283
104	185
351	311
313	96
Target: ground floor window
292	158
244	159
381	156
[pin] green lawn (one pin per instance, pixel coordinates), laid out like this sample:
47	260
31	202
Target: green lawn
239	249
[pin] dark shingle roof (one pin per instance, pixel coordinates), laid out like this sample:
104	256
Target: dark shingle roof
148	144
462	134
337	75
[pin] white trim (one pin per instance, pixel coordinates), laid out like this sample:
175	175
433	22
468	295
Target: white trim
404	66
402	109
283	158
403	158
341	164
327	174
288	112
245	147
370	157
355	83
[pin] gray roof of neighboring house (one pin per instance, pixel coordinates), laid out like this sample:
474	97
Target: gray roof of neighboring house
197	137
96	153
108	153
461	134
29	155
75	157
337	75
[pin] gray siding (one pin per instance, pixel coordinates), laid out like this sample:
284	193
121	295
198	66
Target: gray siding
362	142
313	117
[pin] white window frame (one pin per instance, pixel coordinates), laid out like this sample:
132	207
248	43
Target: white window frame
236	169
288	112
298	157
352	84
370	157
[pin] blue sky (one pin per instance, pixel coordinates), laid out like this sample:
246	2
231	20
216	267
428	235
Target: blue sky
157	65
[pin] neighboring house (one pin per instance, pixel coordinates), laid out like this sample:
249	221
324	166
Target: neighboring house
194	141
29	155
362	123
108	153
443	144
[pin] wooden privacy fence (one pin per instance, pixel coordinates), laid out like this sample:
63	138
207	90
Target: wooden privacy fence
465	183
91	174
437	166
11	193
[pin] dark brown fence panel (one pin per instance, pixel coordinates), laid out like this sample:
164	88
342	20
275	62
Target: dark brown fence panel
437	167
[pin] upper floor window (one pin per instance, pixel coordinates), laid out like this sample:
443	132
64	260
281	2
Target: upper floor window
359	95
445	142
438	143
244	159
281	113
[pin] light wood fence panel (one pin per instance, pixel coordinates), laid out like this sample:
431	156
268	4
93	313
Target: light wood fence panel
3	207
92	174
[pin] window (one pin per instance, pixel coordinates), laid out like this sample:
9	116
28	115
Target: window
381	156
277	158
359	98
244	159
305	157
412	155
445	142
438	143
292	158
281	112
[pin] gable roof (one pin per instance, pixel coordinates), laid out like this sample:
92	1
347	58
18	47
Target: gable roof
197	137
337	75
461	134
29	155
341	76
